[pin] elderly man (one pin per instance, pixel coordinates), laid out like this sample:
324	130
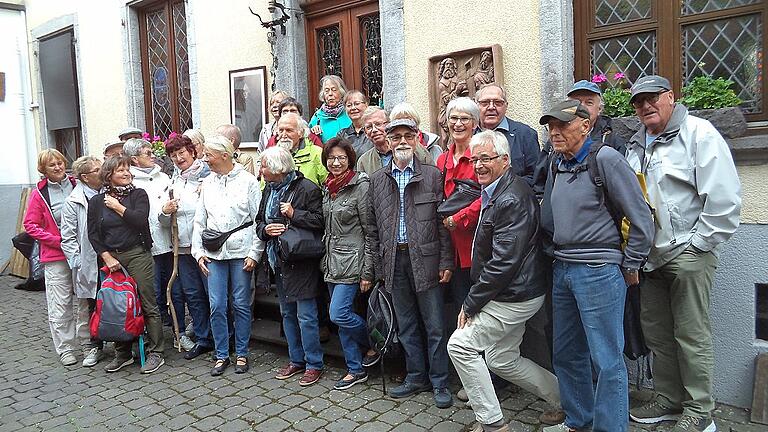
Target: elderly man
507	288
375	120
233	134
695	191
522	139
291	135
113	149
591	270
416	256
130	132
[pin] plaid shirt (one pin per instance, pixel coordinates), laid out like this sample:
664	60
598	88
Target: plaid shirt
402	178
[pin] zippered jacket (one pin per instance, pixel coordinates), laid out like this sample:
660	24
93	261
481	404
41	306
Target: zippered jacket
40	224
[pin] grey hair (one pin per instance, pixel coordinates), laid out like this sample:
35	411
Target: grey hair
371	110
133	146
500	144
336	80
195	136
82	165
232	133
479	93
301	124
465	105
404	110
278	160
220	144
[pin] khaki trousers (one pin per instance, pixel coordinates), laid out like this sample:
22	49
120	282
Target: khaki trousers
67	314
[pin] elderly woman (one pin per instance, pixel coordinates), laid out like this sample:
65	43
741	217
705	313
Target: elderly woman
330	118
42	221
355	102
80	254
429	141
347	267
185	189
268	129
290	198
198	139
229	202
148	176
118	229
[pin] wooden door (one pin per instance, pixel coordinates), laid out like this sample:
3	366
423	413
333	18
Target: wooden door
344	38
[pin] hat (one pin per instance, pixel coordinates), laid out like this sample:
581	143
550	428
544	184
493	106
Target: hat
108	146
585	85
129	130
410	124
650	84
566	110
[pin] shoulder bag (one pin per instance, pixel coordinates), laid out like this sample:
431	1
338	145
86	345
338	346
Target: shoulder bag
297	243
465	193
213	240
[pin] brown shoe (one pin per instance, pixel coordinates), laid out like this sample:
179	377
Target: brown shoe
552	417
310	377
288	371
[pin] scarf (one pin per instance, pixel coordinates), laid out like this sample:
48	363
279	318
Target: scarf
332	112
194	171
272	212
118	192
335	183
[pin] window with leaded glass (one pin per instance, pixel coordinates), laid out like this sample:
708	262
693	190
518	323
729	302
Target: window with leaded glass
677	39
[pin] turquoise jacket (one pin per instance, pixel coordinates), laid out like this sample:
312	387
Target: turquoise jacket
330	125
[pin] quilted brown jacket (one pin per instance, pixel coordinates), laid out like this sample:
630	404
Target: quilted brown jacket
429	243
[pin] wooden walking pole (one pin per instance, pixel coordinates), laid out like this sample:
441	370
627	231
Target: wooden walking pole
174	274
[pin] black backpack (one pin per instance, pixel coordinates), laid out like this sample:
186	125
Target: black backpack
382	326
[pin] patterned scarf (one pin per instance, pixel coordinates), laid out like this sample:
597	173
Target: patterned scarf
118	192
335	183
272	211
194	170
332	112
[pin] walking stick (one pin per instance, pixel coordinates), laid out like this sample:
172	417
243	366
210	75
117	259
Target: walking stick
174	274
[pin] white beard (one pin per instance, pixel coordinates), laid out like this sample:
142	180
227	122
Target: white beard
403	155
287	145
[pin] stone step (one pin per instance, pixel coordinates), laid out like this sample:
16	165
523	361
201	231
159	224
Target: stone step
268	331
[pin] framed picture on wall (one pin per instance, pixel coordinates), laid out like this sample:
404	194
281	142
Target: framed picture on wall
248	102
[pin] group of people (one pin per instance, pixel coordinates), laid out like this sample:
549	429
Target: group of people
549	227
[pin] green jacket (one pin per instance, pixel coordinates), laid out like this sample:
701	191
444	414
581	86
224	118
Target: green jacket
309	160
346	230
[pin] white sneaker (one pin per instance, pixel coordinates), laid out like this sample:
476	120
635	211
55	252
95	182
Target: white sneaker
68	358
558	428
186	343
92	357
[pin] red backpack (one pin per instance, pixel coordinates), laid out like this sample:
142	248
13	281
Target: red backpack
118	316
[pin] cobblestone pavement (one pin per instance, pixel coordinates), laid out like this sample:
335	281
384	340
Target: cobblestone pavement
38	393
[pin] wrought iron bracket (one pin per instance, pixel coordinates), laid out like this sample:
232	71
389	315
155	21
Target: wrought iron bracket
279	22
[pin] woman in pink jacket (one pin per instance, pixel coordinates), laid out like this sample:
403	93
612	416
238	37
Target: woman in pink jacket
42	222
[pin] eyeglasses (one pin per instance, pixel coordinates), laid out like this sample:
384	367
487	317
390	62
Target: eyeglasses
380	126
559	124
354	104
178	154
485	160
289	110
146	153
95	170
341	159
651	98
488	102
457	119
398	138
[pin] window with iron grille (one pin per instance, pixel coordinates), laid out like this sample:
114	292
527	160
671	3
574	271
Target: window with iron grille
680	40
165	67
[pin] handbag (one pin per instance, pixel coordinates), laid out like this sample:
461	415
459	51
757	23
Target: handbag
297	243
213	240
465	192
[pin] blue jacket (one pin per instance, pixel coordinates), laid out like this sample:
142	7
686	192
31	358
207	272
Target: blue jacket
523	147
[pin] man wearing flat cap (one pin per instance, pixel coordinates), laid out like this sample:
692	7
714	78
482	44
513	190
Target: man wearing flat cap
694	189
416	256
593	187
130	132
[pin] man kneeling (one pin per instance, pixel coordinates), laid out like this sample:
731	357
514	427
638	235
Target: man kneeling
506	290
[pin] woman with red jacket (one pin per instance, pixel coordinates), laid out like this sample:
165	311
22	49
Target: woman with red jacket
42	221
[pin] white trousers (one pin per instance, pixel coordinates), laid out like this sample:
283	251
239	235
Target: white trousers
498	330
67	314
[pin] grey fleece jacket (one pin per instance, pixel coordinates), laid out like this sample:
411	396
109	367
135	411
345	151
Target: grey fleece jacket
584	227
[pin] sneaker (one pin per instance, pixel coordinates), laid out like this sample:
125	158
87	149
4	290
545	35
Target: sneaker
197	351
462	395
479	428
653	412
186	343
560	427
68	358
694	424
443	398
118	363
351	379
406	389
92	356
310	377
288	371
552	417
371	360
153	363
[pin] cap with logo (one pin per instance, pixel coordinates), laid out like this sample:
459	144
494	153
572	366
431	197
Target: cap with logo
649	84
408	123
585	85
566	111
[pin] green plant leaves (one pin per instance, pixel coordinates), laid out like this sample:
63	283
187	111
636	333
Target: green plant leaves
705	92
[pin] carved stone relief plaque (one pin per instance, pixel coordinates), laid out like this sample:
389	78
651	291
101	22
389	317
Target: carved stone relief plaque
457	74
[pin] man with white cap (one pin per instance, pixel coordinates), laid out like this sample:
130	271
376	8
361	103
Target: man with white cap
130	132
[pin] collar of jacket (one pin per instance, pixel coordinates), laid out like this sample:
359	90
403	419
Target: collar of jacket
679	115
43	191
504	182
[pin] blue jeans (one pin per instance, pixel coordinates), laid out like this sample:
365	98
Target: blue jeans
301	328
227	280
588	303
419	316
195	288
353	332
163	270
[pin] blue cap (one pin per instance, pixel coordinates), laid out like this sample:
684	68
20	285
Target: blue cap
585	85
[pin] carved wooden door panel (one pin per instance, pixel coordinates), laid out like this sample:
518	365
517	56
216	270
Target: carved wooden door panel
344	40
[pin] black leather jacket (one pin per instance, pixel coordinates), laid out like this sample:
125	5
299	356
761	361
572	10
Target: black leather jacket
506	261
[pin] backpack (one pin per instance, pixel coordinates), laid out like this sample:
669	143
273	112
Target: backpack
118	316
382	326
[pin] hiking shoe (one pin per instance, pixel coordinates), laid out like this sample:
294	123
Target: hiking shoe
694	424
186	343
406	389
351	379
197	351
462	395
371	360
560	427
68	358
310	377
443	398
118	363
288	371
653	412
92	356
552	417
153	363
220	366
479	428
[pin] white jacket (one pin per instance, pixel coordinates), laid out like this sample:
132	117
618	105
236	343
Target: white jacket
156	184
692	185
75	244
187	191
226	202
